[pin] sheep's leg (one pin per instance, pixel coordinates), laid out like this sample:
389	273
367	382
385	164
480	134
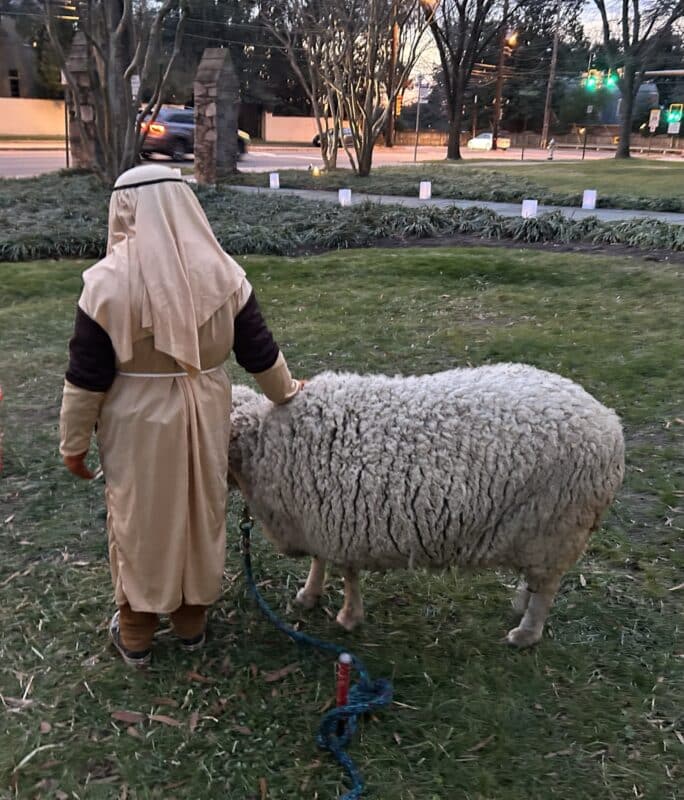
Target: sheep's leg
521	598
351	613
309	595
529	631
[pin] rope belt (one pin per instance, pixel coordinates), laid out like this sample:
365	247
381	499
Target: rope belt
339	724
165	374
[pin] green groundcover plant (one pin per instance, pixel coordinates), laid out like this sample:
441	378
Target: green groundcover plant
65	216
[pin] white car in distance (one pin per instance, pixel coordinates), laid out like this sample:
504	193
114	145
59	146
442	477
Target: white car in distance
483	141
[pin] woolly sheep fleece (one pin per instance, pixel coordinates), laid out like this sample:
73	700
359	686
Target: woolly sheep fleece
495	466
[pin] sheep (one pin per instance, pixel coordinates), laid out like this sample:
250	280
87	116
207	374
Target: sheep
495	466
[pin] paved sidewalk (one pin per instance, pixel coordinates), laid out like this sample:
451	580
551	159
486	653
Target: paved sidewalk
32	144
505	209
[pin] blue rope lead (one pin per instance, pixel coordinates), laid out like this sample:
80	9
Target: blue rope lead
364	697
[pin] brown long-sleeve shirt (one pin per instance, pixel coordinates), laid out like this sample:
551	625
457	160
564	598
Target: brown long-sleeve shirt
92	362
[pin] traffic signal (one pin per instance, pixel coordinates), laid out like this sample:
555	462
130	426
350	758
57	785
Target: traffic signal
592	80
674	113
611	81
398	103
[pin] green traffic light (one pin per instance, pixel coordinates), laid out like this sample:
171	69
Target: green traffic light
591	84
611	81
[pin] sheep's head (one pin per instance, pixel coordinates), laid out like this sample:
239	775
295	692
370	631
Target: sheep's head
244	397
247	408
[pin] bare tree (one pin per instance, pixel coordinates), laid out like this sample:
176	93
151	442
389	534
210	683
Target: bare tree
630	42
348	46
306	32
463	30
124	58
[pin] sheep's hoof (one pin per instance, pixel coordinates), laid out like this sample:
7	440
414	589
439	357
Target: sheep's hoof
307	599
522	637
348	619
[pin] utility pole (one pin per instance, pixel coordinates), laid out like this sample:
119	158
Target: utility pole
499	77
394	54
549	85
420	89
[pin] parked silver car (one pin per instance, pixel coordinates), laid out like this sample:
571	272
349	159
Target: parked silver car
483	141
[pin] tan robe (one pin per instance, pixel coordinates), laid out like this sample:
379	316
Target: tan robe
163	445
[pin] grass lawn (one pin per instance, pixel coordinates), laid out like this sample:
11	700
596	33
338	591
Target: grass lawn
639	177
594	711
639	183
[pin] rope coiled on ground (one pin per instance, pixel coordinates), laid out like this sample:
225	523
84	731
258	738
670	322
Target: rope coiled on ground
339	724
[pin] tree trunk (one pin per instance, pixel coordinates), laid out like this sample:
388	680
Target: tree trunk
366	155
389	128
629	88
329	157
104	112
455	120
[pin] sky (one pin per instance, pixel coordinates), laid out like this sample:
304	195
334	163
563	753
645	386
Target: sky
429	58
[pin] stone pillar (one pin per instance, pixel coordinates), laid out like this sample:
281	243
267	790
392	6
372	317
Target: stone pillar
217	96
82	135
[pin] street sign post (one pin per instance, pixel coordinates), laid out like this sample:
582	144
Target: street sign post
135	87
673	128
421	101
654	120
65	83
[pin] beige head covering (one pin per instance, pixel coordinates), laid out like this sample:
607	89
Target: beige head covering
164	272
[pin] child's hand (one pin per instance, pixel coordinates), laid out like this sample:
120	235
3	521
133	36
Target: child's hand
76	465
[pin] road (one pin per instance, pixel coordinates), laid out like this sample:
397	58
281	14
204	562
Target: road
24	162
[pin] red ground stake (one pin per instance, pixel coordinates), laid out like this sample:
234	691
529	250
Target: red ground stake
343	679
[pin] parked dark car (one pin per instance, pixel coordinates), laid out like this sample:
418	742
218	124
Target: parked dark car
173	134
346	135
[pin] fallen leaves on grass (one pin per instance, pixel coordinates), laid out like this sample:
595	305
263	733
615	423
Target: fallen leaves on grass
16	703
33	753
480	745
164	701
193	721
567	752
243	729
198	678
165	720
128	716
14	575
279	674
132	717
329	703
